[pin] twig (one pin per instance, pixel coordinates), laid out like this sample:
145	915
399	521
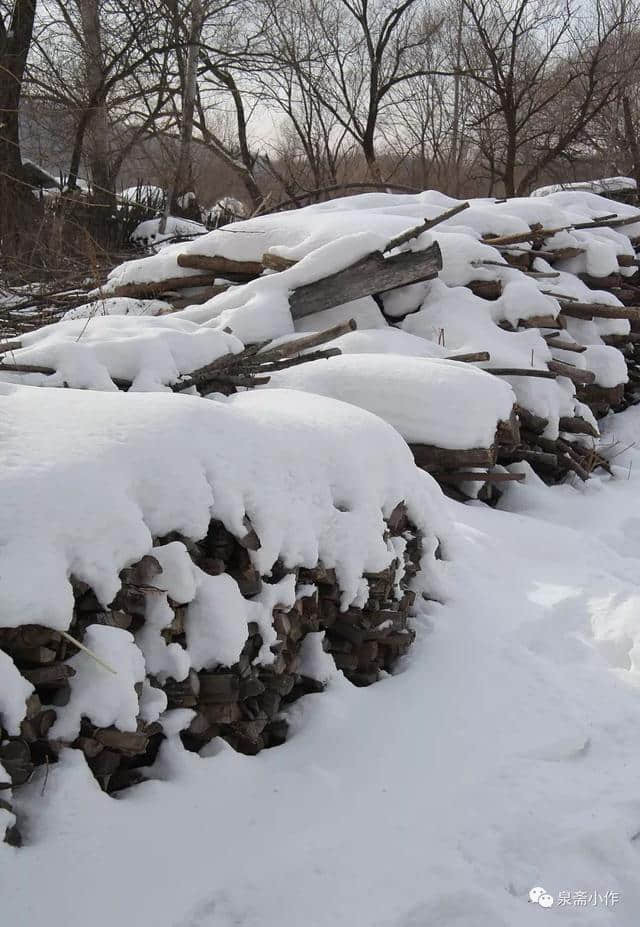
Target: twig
86	650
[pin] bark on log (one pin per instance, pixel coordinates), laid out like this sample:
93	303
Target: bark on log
471	477
152	288
591	311
521	372
577	425
410	234
532	235
372	274
219	266
473	358
429	457
277	262
611	222
542	321
575	374
534	423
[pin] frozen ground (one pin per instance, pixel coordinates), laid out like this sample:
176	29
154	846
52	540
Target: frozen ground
503	756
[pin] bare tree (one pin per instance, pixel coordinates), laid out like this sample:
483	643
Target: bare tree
544	71
16	31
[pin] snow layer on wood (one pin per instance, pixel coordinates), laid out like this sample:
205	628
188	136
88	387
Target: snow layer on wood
118	305
604	186
428	400
365	313
314	476
259	311
387	341
465	323
148	232
14	690
103	696
150	352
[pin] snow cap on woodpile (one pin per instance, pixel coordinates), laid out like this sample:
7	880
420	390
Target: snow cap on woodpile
315	477
428	400
148	351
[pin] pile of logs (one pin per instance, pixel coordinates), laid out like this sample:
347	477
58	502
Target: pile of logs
241	703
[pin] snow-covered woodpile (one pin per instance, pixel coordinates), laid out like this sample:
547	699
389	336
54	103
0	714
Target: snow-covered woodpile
192	568
540	294
229	504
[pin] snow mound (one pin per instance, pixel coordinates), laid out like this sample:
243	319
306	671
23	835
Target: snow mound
315	477
118	305
150	352
428	400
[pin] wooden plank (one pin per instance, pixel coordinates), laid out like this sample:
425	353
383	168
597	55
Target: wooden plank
372	274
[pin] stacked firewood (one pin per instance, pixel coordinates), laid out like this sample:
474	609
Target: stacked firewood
241	703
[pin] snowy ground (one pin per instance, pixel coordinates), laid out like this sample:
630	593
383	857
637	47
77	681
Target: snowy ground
503	756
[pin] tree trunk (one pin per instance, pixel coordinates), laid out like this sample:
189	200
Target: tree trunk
14	49
182	179
632	139
98	129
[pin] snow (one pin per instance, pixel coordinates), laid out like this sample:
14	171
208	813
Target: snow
149	351
216	624
14	690
118	305
606	185
428	400
104	696
148	233
502	756
122	469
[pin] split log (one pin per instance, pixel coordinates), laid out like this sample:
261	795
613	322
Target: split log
564	345
155	287
372	274
575	374
220	266
534	423
589	311
542	321
470	476
601	398
428	457
508	432
473	358
521	372
578	426
277	262
486	289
